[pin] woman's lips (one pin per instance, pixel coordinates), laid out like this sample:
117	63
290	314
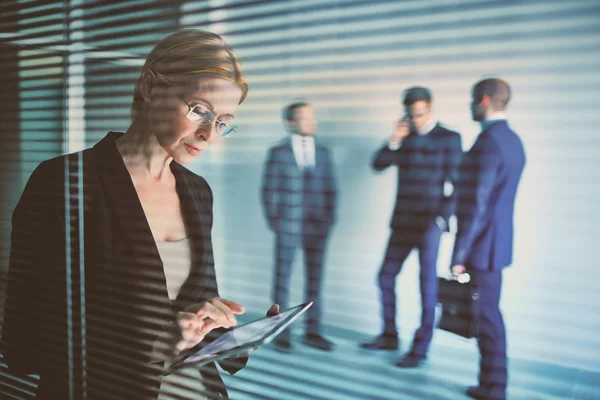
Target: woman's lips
192	150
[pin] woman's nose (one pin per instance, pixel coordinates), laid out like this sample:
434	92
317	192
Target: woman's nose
206	131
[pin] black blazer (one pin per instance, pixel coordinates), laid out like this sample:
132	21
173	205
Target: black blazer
424	164
95	335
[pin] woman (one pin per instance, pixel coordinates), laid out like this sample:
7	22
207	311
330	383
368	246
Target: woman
111	267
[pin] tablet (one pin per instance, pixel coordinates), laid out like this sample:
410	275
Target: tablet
240	339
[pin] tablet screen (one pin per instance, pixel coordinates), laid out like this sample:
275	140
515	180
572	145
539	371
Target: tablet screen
251	334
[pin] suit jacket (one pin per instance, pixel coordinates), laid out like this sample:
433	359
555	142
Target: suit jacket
424	164
489	178
88	297
283	194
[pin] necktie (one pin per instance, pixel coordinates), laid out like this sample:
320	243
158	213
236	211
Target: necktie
306	165
307	184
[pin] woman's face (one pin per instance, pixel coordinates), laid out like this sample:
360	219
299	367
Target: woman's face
182	138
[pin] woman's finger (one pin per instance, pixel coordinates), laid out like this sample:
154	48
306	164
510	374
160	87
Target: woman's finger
199	332
184	319
273	311
233	306
208	326
214	313
188	332
225	309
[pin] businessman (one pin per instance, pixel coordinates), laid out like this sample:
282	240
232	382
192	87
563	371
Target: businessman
489	178
427	156
298	196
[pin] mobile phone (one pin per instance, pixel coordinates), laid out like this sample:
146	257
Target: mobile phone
411	127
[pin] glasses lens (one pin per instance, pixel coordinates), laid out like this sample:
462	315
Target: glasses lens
200	115
225	128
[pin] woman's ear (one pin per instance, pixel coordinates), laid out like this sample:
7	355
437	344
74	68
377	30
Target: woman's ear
148	79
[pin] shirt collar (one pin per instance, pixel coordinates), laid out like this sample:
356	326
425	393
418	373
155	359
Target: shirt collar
299	138
494	117
428	127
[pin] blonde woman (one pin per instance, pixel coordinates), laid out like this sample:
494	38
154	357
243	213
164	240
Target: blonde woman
111	266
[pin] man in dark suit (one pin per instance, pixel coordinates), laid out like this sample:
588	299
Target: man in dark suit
427	156
298	196
489	178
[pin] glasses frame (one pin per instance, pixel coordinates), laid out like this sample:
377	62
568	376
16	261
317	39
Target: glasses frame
230	128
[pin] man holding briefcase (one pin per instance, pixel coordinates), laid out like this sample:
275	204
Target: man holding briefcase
486	191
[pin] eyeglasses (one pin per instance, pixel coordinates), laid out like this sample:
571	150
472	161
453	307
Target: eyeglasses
201	115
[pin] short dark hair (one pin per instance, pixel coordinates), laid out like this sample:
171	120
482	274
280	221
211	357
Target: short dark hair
416	93
498	90
289	112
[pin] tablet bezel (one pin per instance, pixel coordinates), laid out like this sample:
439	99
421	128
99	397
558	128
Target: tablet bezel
180	361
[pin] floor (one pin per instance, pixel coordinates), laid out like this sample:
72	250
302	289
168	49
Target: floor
349	372
353	373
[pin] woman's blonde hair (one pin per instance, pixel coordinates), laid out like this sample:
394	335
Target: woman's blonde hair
184	57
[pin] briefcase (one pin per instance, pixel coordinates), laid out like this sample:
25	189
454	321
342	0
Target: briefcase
460	307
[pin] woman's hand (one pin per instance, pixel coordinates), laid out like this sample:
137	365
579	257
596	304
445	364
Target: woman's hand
197	320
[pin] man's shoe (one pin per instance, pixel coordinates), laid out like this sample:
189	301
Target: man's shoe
411	360
282	345
382	342
318	342
477	393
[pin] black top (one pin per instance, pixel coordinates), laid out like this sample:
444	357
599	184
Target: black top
95	335
425	163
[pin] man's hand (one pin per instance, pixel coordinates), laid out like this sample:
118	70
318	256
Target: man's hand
457	270
402	131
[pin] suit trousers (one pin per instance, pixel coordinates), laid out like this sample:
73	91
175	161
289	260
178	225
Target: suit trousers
492	334
397	251
313	245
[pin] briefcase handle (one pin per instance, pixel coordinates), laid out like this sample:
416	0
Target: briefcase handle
464	278
461	278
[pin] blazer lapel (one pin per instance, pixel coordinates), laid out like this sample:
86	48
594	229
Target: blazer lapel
118	186
319	158
196	212
291	163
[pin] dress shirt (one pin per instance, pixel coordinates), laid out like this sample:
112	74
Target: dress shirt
304	150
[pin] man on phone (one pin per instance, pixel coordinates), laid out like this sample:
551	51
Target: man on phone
489	179
427	156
